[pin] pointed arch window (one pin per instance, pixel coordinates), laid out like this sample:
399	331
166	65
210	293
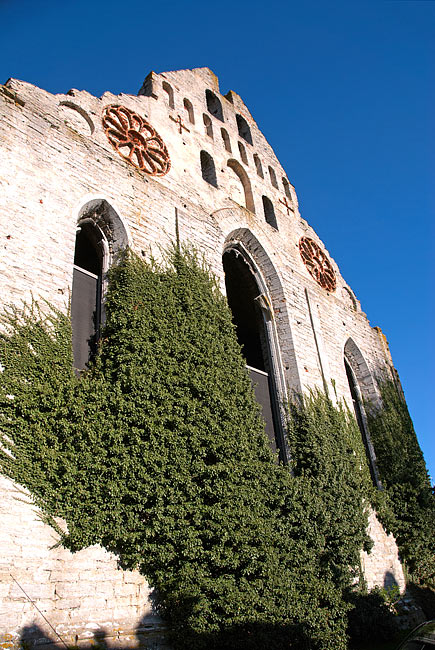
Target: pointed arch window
214	105
269	212
243	128
355	367
208	169
100	234
253	316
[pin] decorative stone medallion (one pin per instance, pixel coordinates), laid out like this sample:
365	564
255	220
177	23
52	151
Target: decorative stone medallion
136	140
317	263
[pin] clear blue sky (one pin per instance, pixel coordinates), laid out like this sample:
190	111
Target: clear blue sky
343	91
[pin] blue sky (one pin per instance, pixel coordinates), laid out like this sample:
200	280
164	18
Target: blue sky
343	91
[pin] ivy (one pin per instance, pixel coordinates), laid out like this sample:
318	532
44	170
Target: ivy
158	453
405	479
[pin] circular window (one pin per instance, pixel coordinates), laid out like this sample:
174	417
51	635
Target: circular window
136	140
317	263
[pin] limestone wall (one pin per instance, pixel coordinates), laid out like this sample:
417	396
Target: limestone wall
56	161
382	567
83	596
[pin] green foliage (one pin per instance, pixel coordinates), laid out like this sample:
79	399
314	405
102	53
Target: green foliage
405	479
327	450
158	453
371	619
36	388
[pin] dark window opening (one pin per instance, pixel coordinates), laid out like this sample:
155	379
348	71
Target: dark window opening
208	169
258	166
242	293
214	105
242	152
286	185
357	407
273	177
208	125
86	294
269	212
226	139
189	110
243	127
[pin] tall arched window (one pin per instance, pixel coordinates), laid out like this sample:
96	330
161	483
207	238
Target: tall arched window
252	316
100	234
243	128
214	105
86	292
357	371
269	212
208	169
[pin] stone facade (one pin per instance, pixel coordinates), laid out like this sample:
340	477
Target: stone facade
58	167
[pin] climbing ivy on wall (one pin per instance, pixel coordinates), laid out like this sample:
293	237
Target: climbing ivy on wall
405	479
158	453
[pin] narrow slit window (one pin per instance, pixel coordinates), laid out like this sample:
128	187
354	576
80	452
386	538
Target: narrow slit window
208	125
170	93
286	186
208	169
272	176
242	152
226	140
258	165
269	212
243	128
214	105
189	110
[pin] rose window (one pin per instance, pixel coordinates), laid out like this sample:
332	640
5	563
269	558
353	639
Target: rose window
317	263
136	140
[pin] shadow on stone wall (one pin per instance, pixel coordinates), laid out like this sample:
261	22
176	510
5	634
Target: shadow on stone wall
145	635
370	621
390	580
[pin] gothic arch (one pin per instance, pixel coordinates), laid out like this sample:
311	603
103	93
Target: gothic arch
100	234
271	300
362	387
359	366
107	219
246	183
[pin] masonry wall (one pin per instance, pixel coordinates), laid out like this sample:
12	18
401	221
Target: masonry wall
56	163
